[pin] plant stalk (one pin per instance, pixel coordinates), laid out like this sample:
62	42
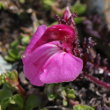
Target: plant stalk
97	81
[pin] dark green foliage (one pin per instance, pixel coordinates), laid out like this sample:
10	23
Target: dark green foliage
33	101
10	101
17	48
79	8
79	20
82	107
47	3
1	5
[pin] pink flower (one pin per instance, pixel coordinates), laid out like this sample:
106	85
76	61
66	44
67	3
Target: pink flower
49	62
49	59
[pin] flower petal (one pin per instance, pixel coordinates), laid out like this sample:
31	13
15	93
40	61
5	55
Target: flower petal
34	63
61	67
38	34
59	32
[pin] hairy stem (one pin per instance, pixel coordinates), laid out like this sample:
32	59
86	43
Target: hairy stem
97	81
21	90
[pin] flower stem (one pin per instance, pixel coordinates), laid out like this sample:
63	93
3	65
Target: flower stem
97	81
21	90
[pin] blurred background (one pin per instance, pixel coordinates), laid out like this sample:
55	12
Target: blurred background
19	19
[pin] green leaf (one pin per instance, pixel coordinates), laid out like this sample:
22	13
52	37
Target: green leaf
44	109
49	90
16	49
11	76
14	44
13	53
13	100
8	101
65	102
5	92
25	40
70	93
2	6
9	58
79	8
79	20
47	4
22	1
51	97
63	93
32	102
82	107
18	100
